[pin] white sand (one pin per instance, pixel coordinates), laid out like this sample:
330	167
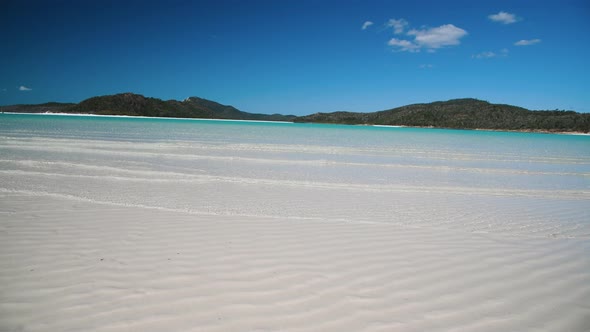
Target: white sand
129	236
68	265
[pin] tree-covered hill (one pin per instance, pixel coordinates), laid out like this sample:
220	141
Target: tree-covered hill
138	105
193	107
456	113
463	114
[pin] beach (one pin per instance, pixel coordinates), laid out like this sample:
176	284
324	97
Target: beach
119	224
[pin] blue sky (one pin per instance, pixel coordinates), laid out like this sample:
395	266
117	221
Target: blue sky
299	57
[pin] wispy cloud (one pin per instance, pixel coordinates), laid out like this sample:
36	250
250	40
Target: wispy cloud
484	55
366	25
398	25
24	88
527	42
426	66
489	54
504	18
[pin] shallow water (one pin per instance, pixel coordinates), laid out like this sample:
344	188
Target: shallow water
523	184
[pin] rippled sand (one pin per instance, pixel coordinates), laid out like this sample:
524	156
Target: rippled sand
213	235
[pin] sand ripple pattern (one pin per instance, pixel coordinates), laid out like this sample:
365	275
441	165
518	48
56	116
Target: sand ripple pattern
89	267
212	229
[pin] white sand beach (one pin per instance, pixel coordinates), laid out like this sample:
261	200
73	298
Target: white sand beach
69	265
211	235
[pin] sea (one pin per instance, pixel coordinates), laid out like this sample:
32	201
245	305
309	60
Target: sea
512	183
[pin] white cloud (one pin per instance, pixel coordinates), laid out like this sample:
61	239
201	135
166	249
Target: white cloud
432	38
426	66
503	17
484	55
24	88
426	38
489	54
366	25
404	45
397	25
527	42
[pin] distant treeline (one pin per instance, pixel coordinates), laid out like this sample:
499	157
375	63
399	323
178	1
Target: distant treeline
456	113
463	114
137	105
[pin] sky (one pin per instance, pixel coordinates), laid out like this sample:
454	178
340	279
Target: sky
299	57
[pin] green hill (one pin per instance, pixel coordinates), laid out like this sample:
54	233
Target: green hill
456	113
463	114
193	107
138	105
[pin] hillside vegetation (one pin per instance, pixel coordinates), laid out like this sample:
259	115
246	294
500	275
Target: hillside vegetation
38	108
462	114
456	113
138	105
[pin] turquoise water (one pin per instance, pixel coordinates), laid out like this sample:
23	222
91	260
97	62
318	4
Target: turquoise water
524	183
155	129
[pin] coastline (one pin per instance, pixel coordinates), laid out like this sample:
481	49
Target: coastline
534	131
142	117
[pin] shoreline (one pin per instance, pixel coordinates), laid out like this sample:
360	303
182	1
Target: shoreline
533	131
142	117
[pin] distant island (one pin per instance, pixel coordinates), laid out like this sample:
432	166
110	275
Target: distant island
465	113
131	104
